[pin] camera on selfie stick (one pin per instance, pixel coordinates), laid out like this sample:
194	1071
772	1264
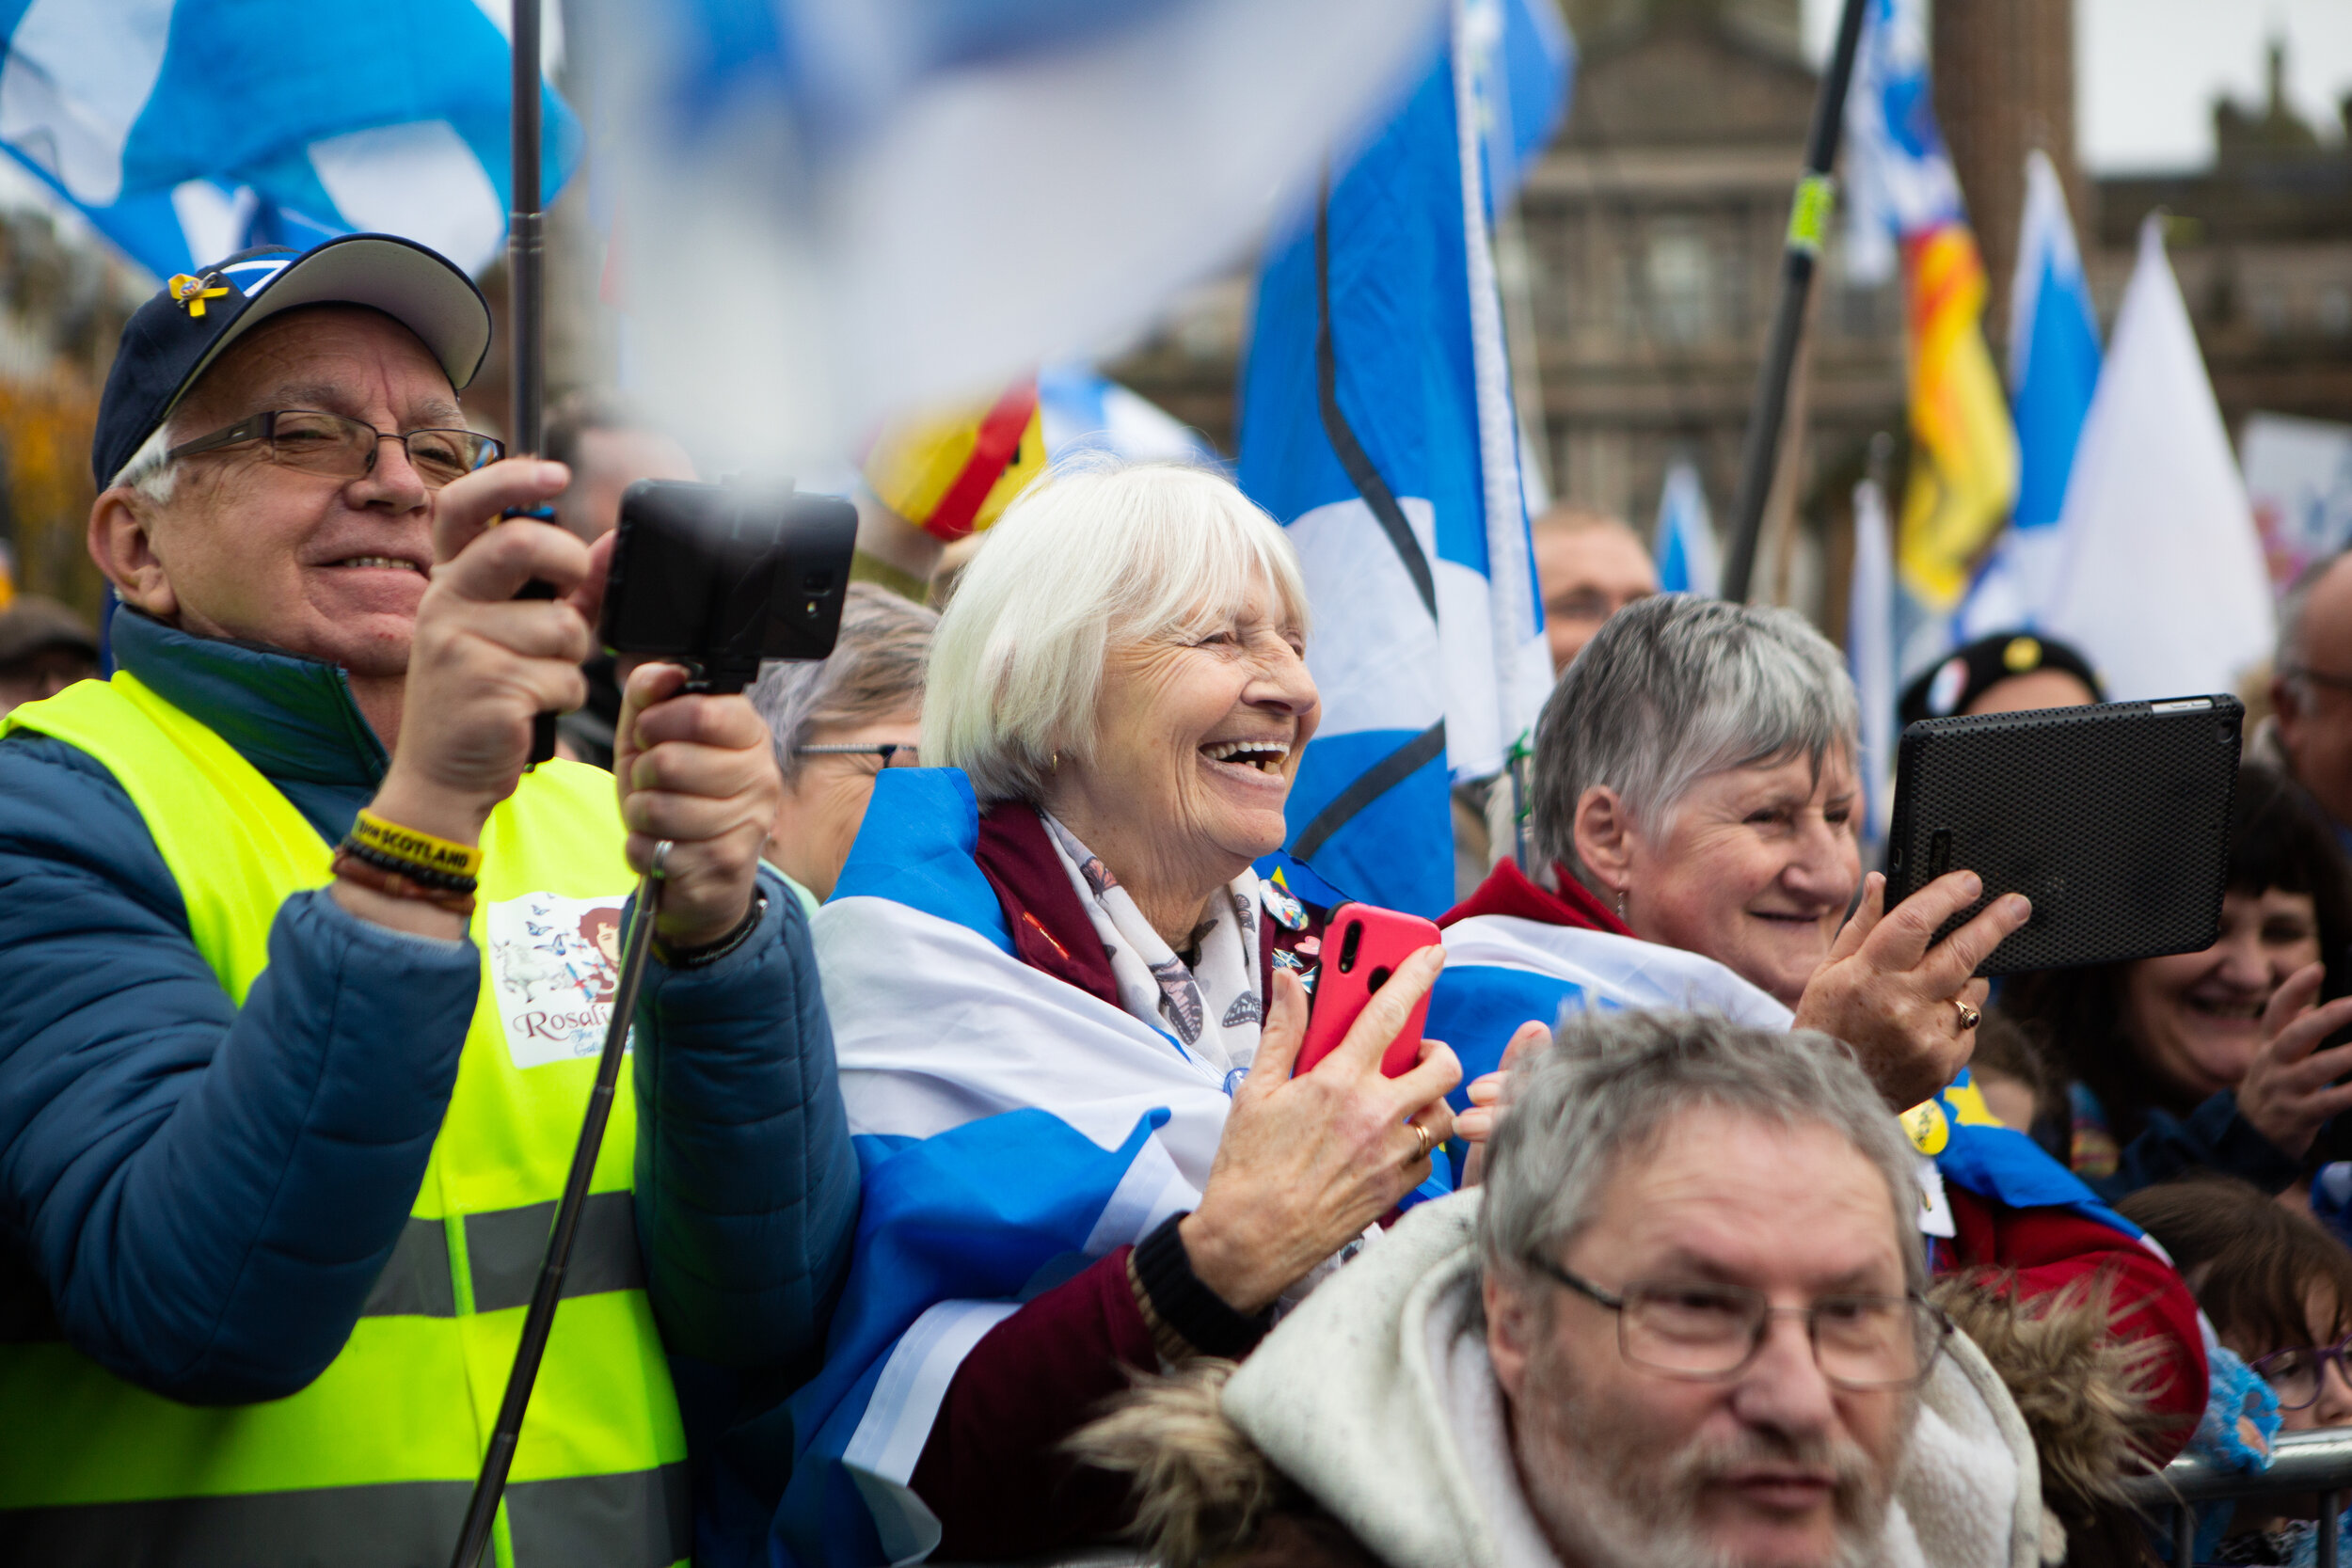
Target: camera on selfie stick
716	578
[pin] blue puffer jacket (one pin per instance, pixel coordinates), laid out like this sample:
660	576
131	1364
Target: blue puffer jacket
200	1197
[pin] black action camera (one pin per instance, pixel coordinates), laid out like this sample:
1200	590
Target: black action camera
718	578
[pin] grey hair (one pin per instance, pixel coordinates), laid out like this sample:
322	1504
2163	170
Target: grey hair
1098	555
1613	1082
149	470
875	672
2287	664
1673	689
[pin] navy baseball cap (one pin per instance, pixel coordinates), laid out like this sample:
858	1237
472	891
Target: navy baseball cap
175	337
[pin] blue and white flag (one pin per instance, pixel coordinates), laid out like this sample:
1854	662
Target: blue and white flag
186	129
1378	424
1870	656
1689	559
1083	410
2052	369
1010	1129
1502	971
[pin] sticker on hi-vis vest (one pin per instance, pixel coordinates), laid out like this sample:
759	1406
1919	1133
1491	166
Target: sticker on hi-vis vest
553	964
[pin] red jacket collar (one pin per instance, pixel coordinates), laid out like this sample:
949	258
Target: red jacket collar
1508	891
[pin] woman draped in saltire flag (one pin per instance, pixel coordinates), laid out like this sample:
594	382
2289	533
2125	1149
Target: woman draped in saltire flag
1695	802
1066	1008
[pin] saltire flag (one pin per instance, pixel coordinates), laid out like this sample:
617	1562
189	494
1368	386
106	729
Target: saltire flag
187	130
1502	971
1085	411
1870	656
1689	559
2162	583
859	207
1963	462
1010	1130
1378	424
2053	368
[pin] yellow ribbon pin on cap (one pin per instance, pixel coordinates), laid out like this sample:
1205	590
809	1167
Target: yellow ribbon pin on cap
191	294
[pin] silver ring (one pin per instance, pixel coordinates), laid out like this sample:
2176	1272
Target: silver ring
1969	1017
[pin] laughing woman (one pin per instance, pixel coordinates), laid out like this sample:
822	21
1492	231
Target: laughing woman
1065	1008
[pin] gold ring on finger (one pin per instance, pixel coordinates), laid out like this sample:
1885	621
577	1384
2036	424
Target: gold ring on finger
1424	1143
1969	1017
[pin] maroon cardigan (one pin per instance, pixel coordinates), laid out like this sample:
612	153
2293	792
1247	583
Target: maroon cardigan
991	1470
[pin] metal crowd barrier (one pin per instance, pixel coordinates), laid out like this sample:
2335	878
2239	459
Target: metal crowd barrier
2303	1462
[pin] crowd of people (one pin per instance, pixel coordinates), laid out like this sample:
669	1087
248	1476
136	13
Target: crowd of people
964	1201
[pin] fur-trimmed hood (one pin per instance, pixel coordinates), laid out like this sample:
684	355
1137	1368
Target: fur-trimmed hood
1347	1403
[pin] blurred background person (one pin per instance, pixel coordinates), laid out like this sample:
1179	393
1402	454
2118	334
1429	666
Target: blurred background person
2278	1289
610	447
2311	687
837	723
2009	671
1588	566
2208	1060
45	648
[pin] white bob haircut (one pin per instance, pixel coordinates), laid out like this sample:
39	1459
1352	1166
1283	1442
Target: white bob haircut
1096	557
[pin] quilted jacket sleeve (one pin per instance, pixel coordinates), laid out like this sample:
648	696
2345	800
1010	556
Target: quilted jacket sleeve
746	1186
2212	1137
203	1196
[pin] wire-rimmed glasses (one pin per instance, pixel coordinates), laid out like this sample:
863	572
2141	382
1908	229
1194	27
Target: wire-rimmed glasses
340	447
1708	1333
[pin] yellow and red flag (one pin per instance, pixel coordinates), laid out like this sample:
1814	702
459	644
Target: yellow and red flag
954	472
1964	459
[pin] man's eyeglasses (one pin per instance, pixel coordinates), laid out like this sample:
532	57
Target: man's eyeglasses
892	757
1711	1333
330	444
2296	1375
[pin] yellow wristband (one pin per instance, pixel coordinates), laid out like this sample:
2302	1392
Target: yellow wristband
439	854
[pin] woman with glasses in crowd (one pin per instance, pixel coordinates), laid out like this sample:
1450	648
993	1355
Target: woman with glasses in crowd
1066	1006
2211	1060
837	723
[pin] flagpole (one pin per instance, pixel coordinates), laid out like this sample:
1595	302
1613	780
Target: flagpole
1808	218
526	254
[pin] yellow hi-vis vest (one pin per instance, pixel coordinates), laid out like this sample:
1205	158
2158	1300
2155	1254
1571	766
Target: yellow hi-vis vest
371	1466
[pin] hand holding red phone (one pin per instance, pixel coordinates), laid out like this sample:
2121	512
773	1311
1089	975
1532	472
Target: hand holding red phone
1306	1162
1363	947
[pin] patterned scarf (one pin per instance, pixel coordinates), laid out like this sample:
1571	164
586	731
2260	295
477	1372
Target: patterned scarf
1212	1005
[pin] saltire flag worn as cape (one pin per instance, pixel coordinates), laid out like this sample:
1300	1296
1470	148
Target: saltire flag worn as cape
188	130
1504	970
1377	425
1010	1130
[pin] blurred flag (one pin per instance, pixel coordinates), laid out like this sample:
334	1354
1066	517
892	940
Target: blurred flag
2053	367
1085	411
2162	583
1377	423
838	209
1871	654
186	129
1964	464
1688	561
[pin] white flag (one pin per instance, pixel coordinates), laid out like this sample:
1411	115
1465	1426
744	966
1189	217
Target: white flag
2162	585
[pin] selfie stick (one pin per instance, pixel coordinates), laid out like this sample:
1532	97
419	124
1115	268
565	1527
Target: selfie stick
526	298
1808	218
491	1484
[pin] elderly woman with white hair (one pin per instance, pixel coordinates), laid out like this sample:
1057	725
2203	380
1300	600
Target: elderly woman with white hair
1066	1010
1694	795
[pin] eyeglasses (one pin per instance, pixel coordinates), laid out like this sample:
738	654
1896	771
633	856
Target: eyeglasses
330	444
2296	1375
1711	1333
892	757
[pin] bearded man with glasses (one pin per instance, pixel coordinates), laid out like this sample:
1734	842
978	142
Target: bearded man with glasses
303	976
1681	1324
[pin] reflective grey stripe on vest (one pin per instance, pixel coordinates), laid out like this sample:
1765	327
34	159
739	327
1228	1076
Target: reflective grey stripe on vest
503	1251
640	1520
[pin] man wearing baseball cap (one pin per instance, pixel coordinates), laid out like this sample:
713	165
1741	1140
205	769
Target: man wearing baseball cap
302	975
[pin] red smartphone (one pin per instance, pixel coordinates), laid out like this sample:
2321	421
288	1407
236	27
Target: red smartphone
1362	946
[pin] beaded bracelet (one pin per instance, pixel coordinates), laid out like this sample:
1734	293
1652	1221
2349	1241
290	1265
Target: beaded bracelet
352	867
395	865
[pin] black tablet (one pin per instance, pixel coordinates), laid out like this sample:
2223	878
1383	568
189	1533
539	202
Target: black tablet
2114	819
